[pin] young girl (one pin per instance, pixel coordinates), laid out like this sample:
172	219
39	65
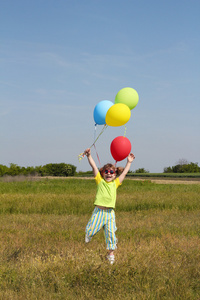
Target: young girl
104	214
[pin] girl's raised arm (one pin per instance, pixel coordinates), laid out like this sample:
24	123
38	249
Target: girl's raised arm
91	161
130	159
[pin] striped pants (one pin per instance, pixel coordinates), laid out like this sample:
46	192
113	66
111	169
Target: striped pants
103	218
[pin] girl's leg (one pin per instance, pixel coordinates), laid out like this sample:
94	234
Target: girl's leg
95	224
109	230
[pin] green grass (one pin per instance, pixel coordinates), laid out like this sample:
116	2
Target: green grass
166	175
43	254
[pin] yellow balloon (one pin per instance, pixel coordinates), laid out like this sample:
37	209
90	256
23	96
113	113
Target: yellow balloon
118	115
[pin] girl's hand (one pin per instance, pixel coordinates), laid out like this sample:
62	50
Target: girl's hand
130	157
87	152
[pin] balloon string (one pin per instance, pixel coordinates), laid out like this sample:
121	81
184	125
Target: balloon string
95	131
124	130
105	126
97	155
81	155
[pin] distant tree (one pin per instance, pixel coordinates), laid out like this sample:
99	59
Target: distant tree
183	167
182	161
168	170
14	170
40	170
141	170
3	170
29	171
190	168
61	169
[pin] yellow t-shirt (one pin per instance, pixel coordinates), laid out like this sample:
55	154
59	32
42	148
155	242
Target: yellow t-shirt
106	191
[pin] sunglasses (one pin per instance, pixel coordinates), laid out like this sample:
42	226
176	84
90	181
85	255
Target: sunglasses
109	171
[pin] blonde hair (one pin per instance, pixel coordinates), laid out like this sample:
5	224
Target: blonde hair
118	170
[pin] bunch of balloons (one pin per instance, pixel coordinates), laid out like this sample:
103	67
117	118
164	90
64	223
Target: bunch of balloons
117	114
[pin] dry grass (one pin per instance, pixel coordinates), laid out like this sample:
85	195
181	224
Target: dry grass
43	254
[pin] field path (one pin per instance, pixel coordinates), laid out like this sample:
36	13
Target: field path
157	180
170	181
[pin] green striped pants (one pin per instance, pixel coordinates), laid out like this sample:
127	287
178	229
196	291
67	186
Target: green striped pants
103	218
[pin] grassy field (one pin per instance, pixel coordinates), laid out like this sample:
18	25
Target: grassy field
43	254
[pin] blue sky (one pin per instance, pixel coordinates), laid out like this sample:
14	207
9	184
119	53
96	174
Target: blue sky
58	59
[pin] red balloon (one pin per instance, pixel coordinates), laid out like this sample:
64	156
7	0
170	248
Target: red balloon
120	148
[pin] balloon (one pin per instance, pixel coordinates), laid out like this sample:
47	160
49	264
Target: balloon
120	148
118	115
100	111
127	96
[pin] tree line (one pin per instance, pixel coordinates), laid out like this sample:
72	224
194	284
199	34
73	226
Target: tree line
64	170
56	169
183	168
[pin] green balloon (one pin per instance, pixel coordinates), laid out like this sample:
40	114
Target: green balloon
127	96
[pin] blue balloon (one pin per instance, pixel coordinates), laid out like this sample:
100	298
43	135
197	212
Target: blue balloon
100	111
